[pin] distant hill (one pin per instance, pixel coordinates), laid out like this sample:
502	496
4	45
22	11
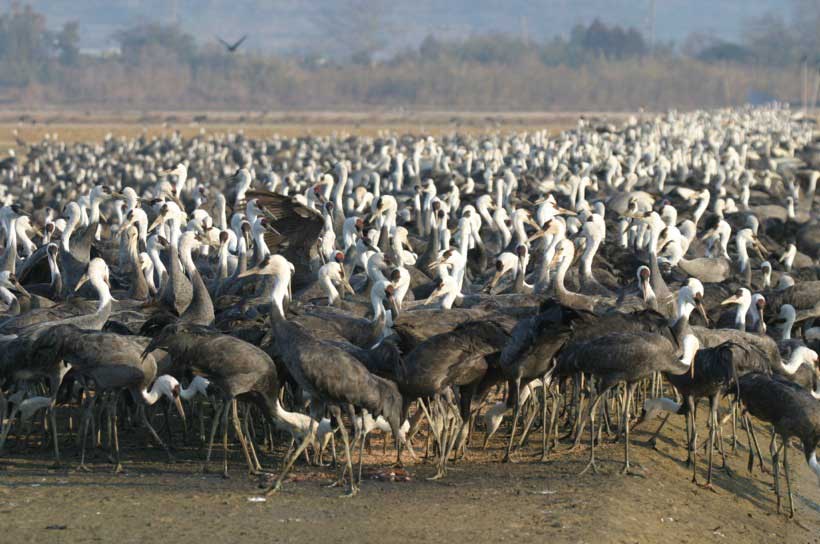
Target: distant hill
289	25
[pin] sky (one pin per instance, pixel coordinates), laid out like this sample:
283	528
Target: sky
290	25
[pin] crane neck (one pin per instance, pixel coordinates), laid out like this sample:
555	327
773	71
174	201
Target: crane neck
330	289
281	289
796	360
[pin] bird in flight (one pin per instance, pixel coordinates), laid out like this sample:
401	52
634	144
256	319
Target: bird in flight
232	47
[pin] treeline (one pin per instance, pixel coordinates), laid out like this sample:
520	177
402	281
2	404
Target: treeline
597	67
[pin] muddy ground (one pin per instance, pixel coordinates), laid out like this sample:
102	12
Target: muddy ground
481	500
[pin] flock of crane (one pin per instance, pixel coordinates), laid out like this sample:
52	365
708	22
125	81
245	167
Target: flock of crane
317	289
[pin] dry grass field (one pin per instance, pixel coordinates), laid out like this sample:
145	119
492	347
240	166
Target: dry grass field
94	126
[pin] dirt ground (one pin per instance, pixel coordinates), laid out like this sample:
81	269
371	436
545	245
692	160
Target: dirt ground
481	500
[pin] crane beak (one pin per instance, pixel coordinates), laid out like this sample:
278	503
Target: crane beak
81	281
19	288
494	281
348	287
178	403
734	299
759	247
157	222
435	294
702	312
539	234
250	272
434	264
146	351
378	213
564	211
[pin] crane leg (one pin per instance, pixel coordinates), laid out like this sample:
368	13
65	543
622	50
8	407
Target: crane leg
226	410
528	425
580	415
361	454
52	422
593	406
214	427
713	423
290	459
115	439
88	408
776	468
788	479
544	424
751	462
693	452
353	489
7	419
154	433
237	427
251	448
754	444
516	412
550	433
628	394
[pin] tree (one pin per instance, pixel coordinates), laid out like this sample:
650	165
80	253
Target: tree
155	40
67	42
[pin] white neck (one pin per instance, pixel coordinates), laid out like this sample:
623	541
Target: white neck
740	315
795	361
814	464
742	255
152	396
330	289
103	292
684	308
278	293
786	329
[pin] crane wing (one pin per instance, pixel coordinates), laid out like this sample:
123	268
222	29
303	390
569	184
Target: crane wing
295	231
239	42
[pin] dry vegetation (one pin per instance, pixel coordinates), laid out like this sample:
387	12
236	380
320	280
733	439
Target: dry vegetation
88	127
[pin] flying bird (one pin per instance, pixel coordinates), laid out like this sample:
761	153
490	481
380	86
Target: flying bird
232	47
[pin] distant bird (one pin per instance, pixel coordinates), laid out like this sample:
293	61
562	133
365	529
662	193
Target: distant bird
232	47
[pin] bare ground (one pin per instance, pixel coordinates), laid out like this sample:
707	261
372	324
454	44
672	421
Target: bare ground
481	500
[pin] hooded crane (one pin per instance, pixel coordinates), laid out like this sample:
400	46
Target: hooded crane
240	370
793	412
327	375
110	362
631	357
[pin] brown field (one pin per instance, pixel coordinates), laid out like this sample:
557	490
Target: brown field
88	126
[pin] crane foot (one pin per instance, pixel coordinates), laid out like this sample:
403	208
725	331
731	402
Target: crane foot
351	492
628	470
590	465
708	486
274	488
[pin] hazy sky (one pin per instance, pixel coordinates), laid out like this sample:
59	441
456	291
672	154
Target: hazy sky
287	25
